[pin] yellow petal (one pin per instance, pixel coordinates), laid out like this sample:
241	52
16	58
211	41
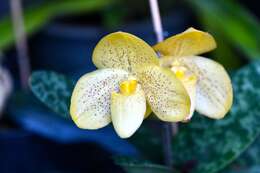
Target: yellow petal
190	42
165	93
189	81
91	97
123	50
214	93
128	112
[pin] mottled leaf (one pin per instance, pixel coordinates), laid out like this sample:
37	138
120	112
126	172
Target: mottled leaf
210	145
53	89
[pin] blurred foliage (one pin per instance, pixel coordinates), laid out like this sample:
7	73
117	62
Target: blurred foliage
113	13
235	28
35	17
205	144
128	11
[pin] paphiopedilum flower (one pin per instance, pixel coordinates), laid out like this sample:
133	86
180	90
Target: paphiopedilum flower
206	81
130	82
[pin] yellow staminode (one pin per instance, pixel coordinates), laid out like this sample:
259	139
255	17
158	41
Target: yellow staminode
128	87
179	71
183	73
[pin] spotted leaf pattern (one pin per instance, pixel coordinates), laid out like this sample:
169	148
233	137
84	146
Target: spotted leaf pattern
53	89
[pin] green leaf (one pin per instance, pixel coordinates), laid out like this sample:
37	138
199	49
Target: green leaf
37	16
211	145
137	166
236	23
53	89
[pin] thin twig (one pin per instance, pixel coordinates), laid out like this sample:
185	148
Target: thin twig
157	24
21	42
168	128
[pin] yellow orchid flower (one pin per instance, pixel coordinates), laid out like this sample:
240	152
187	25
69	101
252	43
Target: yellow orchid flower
206	81
129	76
132	81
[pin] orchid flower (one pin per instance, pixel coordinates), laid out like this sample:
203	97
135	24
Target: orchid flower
205	80
131	82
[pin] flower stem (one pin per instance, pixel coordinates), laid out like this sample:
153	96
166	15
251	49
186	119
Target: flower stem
167	147
156	18
168	129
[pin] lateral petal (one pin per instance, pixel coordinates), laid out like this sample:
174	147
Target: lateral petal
91	97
